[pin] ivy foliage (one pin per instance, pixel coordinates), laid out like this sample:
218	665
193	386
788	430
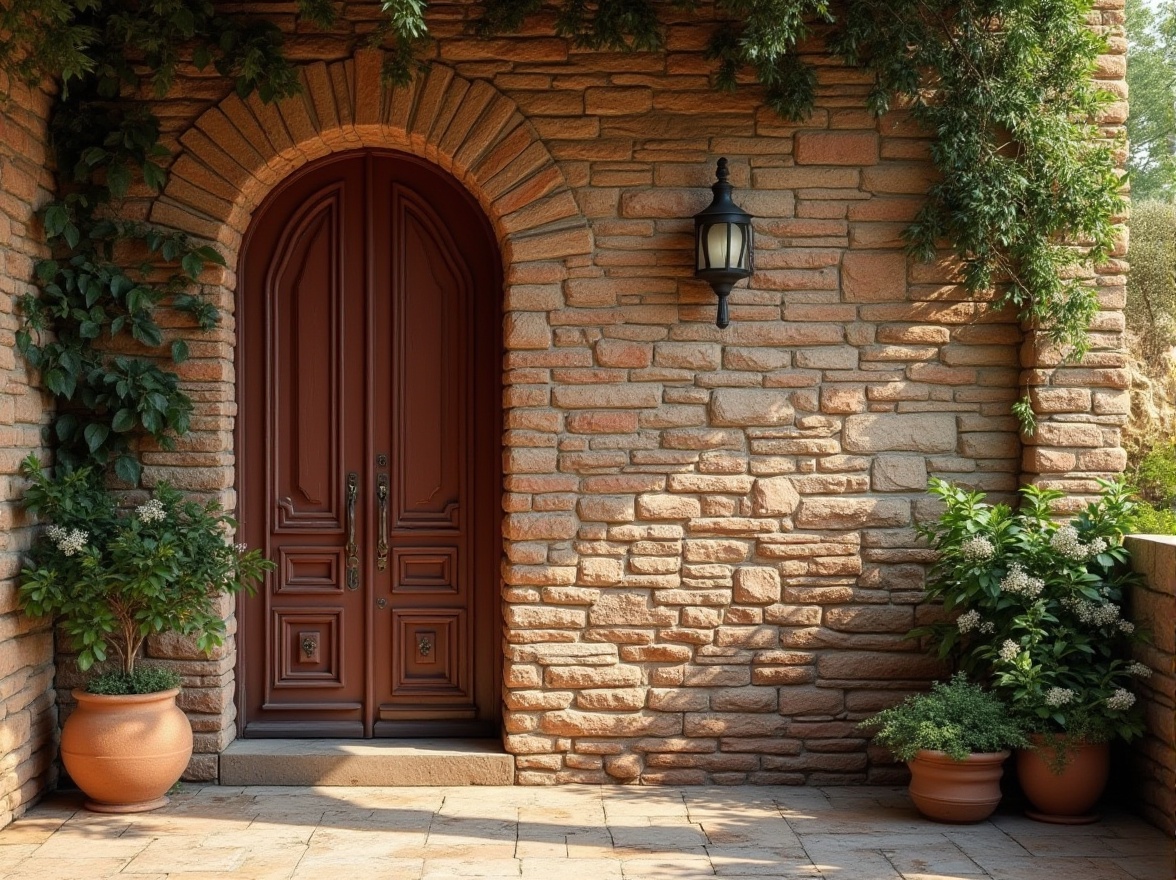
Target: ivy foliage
1027	192
95	327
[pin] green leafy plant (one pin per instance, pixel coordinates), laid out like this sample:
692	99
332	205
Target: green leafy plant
144	680
114	577
956	717
1038	607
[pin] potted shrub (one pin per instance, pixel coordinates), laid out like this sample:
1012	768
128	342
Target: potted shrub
113	577
1039	618
955	740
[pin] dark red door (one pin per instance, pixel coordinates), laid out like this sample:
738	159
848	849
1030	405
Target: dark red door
369	380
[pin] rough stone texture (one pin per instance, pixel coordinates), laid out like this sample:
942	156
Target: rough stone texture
1153	609
581	833
725	589
28	715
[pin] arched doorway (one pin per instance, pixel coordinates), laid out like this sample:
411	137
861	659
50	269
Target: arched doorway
369	379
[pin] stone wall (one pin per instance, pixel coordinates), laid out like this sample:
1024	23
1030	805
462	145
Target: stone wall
710	558
1153	608
28	719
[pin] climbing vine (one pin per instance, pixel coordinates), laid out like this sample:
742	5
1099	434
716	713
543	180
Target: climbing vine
1027	194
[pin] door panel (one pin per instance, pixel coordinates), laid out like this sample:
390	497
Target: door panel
368	409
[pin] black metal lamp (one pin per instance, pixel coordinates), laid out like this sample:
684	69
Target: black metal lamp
722	237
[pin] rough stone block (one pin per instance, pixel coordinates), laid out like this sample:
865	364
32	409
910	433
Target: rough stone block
774	496
894	432
750	407
899	473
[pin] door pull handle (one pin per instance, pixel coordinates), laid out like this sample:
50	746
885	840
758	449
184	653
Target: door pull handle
382	543
352	549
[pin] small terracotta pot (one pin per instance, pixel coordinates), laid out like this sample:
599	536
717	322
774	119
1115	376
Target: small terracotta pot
125	752
1064	798
947	790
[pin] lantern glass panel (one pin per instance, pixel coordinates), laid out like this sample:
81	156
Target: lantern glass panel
721	246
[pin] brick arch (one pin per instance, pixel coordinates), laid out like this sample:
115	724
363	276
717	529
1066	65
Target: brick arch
236	152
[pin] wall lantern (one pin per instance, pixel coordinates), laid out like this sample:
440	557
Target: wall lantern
722	236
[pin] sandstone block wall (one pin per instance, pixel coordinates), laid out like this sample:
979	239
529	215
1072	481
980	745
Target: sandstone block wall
28	717
709	548
1153	608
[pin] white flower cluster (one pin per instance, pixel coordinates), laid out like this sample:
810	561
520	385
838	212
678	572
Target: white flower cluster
1140	669
68	541
977	549
1065	542
1105	614
240	548
152	511
1056	696
1120	700
1009	651
968	621
971	620
1018	581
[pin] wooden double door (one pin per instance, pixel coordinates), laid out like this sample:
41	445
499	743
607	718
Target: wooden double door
369	363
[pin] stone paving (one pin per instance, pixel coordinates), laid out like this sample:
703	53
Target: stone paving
565	833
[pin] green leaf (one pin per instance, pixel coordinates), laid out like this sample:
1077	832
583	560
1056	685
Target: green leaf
95	435
123	420
179	351
128	469
192	264
55	219
118	179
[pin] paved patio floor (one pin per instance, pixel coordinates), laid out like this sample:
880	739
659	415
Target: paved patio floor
566	833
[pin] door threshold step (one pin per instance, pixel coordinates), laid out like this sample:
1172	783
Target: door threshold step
401	762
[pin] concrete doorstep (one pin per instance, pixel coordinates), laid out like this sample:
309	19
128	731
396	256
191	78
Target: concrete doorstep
442	762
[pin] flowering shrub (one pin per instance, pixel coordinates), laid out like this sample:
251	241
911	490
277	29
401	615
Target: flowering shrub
1040	607
114	577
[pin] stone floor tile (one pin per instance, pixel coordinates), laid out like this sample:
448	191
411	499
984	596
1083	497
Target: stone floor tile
642	869
850	862
443	868
70	846
734	830
14	853
567	869
754	861
358	867
65	869
1062	869
30	830
1158	867
169	856
930	858
590	844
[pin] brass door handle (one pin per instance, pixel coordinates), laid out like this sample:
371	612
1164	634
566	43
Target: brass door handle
352	548
382	543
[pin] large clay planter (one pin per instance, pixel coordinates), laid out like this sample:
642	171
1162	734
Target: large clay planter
947	790
1068	797
125	752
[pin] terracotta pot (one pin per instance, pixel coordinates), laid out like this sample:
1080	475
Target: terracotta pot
1067	797
125	752
947	790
